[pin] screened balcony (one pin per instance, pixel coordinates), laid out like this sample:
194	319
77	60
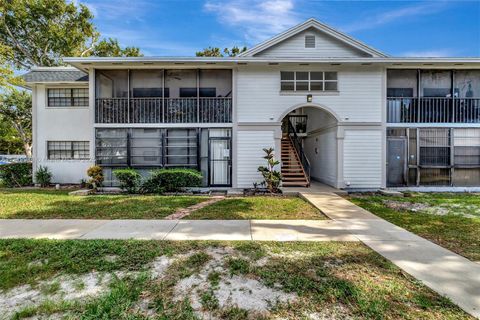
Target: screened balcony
433	96
163	96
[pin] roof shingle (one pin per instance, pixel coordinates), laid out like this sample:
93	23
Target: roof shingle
55	76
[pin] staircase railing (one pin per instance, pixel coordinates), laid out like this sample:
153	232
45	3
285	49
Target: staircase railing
297	144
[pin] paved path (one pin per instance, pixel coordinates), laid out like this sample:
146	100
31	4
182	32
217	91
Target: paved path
271	230
445	272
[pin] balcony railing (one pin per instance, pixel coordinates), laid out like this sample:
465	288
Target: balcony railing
163	110
433	110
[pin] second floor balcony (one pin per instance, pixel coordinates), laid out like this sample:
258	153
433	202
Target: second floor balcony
433	96
163	96
163	110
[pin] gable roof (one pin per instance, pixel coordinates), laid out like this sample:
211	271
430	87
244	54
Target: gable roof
313	23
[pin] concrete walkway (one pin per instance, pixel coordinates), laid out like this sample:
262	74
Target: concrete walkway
268	230
445	272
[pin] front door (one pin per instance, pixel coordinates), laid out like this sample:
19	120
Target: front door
396	165
220	159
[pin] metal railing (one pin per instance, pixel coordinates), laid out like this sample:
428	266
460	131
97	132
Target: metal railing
299	122
163	110
297	144
433	110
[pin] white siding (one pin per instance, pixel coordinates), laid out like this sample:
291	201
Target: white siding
61	124
250	154
324	163
362	163
325	46
359	98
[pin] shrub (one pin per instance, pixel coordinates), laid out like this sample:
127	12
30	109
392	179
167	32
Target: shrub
43	176
129	179
172	180
16	174
272	177
96	176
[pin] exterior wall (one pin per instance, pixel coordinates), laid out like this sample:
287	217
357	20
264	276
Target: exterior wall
325	46
323	162
359	96
249	145
363	157
60	124
353	162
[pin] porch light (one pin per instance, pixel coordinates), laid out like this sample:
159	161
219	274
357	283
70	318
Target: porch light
309	98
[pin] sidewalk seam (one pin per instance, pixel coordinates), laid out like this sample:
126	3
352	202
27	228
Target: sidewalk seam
167	233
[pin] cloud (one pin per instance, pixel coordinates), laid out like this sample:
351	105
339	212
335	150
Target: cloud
258	20
386	17
434	53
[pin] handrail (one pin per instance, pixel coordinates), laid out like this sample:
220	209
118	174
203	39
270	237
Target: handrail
433	110
163	110
297	144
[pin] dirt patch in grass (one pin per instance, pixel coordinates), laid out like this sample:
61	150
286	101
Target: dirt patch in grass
227	290
210	280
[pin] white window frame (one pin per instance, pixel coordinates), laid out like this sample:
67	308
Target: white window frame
47	105
323	81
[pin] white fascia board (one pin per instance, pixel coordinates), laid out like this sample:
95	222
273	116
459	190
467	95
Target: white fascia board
119	62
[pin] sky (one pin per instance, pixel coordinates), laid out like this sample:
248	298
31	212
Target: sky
398	28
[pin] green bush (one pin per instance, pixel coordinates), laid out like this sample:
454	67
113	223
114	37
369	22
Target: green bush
43	176
129	179
96	176
171	180
16	174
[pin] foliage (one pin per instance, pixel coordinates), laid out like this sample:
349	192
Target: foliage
16	108
10	143
171	180
16	174
216	52
272	177
96	176
8	79
111	48
43	176
40	32
130	179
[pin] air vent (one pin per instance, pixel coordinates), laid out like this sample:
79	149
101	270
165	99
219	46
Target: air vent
309	41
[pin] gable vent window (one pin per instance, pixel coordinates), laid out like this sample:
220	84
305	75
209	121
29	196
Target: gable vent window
308	81
309	41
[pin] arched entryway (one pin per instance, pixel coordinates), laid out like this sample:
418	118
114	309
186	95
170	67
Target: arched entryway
309	146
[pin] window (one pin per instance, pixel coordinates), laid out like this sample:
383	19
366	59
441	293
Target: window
308	81
68	97
68	150
309	41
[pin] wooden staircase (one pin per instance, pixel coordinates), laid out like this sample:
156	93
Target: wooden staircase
293	173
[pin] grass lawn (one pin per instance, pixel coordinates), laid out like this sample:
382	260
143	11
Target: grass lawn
260	207
50	204
194	280
450	220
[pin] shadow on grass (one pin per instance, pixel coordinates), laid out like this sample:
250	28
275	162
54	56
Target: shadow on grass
51	204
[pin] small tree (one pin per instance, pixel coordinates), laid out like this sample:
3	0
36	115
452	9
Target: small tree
43	176
96	176
271	176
